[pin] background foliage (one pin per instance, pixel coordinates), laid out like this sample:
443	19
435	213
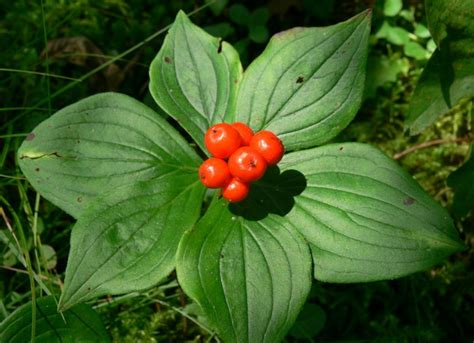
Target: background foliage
83	35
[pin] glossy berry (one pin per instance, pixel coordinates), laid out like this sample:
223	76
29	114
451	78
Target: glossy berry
235	190
268	145
245	132
247	164
214	173
222	140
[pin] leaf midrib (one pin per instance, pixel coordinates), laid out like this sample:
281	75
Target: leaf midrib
116	251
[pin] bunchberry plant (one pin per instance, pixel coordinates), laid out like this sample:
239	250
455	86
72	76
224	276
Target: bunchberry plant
341	212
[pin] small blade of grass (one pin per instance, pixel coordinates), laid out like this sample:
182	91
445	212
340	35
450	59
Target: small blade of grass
26	257
6	109
14	135
45	37
12	177
30	72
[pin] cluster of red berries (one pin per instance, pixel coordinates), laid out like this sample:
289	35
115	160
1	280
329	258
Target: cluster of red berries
239	158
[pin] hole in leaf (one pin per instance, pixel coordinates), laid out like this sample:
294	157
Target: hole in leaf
274	193
300	79
167	59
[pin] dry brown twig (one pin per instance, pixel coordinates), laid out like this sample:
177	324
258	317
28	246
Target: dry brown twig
424	145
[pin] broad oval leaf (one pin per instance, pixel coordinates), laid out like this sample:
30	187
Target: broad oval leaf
450	17
249	277
194	78
449	75
96	145
364	217
126	240
308	83
447	79
80	324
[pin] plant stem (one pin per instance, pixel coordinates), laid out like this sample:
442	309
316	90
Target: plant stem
464	140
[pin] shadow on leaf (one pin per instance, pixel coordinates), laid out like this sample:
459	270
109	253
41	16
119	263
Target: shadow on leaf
274	193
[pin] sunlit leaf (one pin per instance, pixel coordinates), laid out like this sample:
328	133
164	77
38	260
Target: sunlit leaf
194	78
364	217
308	83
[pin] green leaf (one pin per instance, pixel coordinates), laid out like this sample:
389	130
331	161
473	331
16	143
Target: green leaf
239	14
408	14
217	6
431	45
364	217
49	258
447	79
258	33
308	83
462	181
422	31
392	7
393	34
309	323
249	277
450	18
382	69
194	78
259	17
80	324
449	75
415	50
127	239
220	30
96	145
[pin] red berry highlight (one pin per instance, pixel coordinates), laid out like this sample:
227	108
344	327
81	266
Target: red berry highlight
269	146
245	132
235	190
247	164
214	173
222	140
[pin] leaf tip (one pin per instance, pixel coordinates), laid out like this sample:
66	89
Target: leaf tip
181	15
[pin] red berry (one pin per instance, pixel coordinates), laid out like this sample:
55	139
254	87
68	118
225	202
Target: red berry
245	132
222	140
235	190
214	173
268	145
247	164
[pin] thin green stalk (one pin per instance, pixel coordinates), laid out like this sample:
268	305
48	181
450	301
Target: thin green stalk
5	148
45	37
34	228
12	135
5	109
26	255
87	54
184	314
18	251
99	68
12	177
38	73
